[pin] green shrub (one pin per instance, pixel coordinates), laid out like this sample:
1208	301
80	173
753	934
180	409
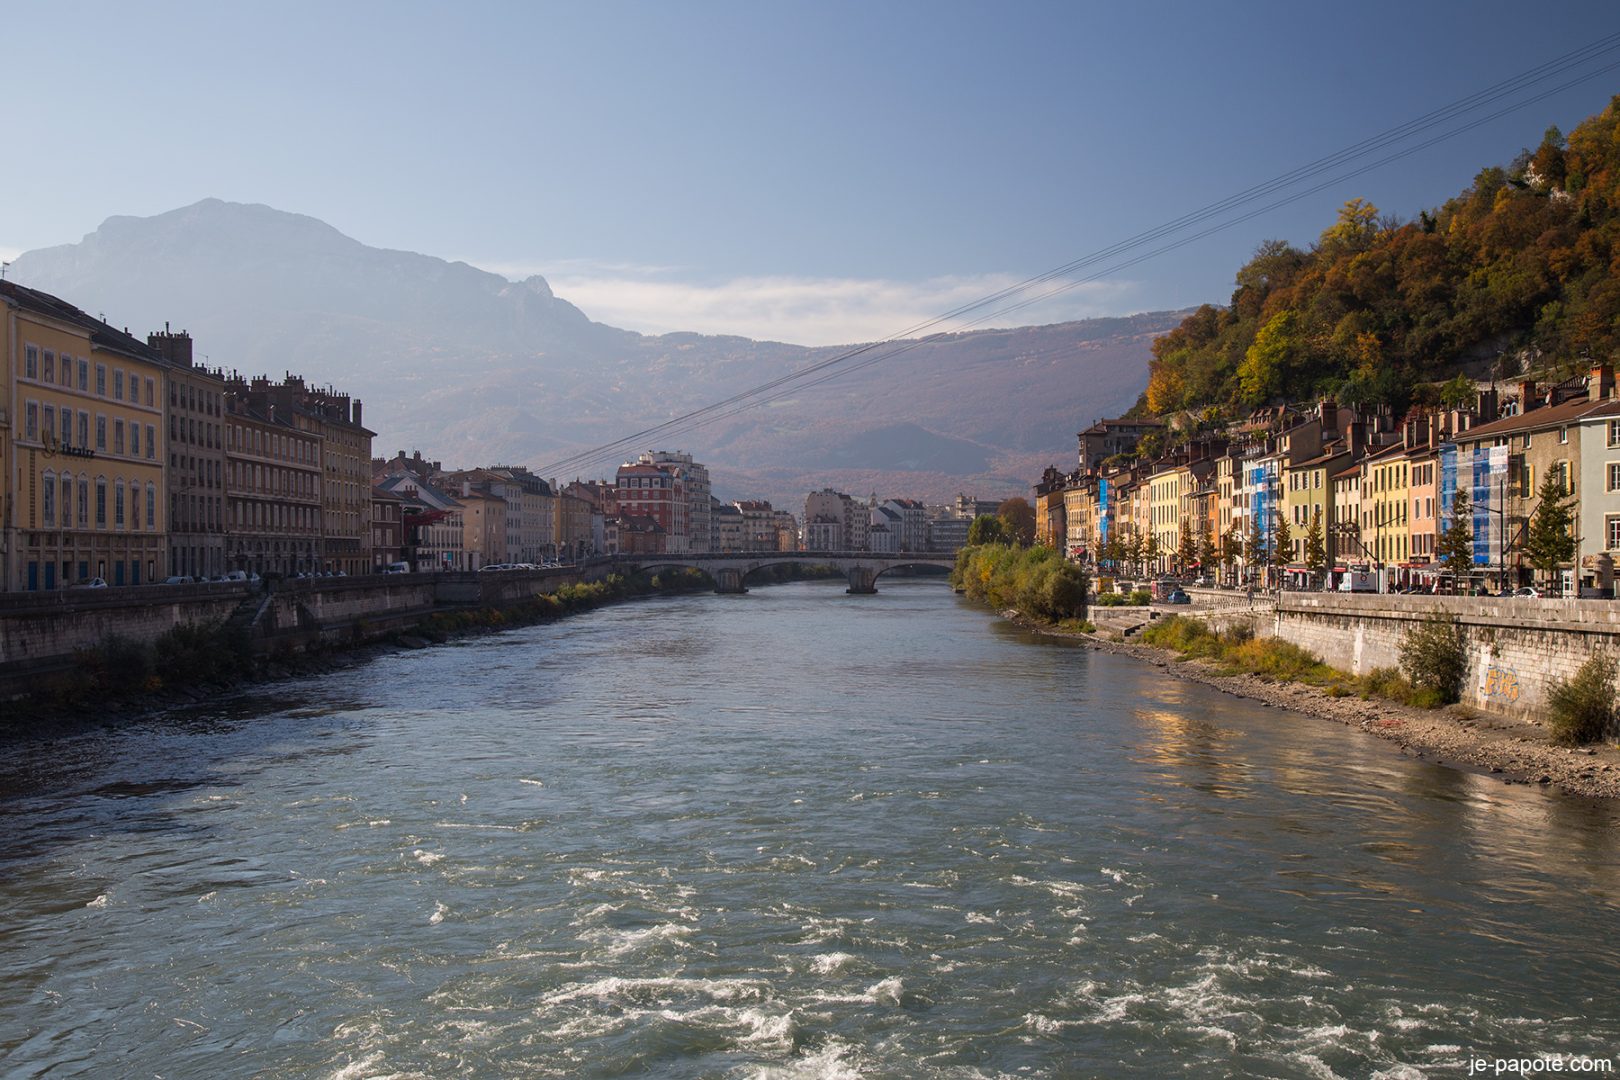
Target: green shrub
1434	657
1036	580
1141	598
1582	709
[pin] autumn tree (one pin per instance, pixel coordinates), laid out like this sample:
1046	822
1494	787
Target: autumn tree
1186	547
1316	560
1282	541
1019	518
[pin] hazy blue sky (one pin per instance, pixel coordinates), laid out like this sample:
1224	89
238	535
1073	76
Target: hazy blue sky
816	172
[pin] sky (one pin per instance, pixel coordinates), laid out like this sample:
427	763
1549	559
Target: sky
818	172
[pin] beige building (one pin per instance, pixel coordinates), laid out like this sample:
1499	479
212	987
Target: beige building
82	482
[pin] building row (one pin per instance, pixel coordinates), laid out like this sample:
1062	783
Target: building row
1378	491
125	460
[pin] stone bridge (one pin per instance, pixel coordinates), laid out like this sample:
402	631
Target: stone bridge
730	569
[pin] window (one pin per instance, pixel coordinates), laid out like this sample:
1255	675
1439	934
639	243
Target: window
84	431
67	503
151	505
101	380
134	440
118	384
31	361
101	432
84	376
67	427
1614	476
149	391
101	502
1563	434
67	370
50	366
50	420
1527	440
151	442
118	436
118	505
1611	532
48	501
31	420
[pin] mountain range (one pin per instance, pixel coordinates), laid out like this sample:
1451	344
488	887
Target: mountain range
472	368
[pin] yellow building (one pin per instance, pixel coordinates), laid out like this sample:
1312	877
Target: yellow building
1170	508
1385	505
1307	492
81	448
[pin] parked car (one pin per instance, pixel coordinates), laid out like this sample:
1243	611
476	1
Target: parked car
1177	596
178	579
89	583
1528	592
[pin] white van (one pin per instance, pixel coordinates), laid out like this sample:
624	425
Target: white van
1359	581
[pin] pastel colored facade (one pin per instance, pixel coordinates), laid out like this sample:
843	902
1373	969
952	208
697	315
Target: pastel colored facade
483	527
575	534
833	521
82	483
1598	522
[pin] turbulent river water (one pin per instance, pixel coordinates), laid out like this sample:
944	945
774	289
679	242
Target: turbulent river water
792	833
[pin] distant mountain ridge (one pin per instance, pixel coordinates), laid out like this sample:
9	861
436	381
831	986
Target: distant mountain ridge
474	368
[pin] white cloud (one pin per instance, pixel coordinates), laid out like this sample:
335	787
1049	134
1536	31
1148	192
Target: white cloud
8	254
822	311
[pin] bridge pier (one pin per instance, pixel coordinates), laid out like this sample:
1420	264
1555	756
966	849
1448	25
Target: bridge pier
862	581
728	580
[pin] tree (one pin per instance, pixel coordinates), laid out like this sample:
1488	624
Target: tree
1282	541
1254	546
1232	546
1316	547
1455	547
1550	541
987	529
1133	549
1208	555
1458	392
1186	547
1151	551
1270	364
1019	518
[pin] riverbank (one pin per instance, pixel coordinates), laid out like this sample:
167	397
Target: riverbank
121	679
1517	752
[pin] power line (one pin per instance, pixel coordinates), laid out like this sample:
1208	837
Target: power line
795	380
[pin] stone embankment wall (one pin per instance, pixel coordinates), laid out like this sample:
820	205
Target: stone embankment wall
40	632
1517	647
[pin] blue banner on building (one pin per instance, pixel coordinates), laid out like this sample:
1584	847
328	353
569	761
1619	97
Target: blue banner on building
1448	482
1102	511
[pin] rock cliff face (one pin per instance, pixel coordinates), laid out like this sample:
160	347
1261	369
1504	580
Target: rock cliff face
474	368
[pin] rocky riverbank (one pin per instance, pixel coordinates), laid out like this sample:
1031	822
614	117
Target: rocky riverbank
1515	751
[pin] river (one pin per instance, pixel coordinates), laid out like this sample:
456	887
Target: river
788	834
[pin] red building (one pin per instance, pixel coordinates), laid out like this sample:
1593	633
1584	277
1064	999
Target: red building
656	492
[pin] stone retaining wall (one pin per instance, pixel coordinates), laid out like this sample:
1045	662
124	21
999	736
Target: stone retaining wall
1517	647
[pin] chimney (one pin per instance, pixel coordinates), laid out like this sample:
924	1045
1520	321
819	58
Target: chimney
175	348
357	415
1600	387
1329	413
1357	437
1527	396
1486	406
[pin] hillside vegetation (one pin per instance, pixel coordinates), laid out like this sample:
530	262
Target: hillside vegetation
1527	259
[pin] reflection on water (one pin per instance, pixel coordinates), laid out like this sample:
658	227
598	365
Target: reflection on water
792	833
